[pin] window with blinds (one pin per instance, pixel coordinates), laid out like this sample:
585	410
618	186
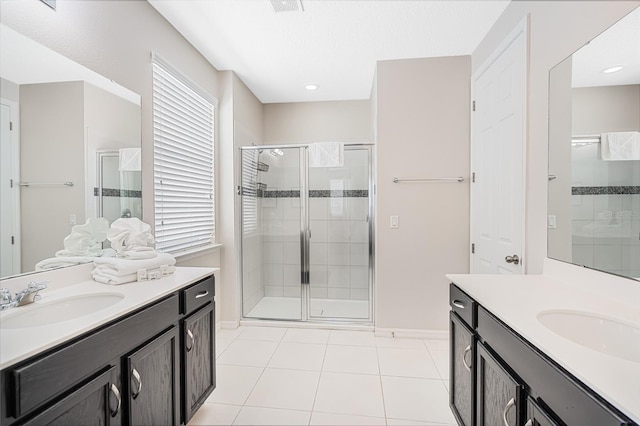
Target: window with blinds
249	191
183	133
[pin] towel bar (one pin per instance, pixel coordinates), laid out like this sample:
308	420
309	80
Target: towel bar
457	179
44	183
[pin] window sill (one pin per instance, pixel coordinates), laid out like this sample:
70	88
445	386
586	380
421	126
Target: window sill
196	252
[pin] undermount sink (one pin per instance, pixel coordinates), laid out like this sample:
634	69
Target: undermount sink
68	308
600	333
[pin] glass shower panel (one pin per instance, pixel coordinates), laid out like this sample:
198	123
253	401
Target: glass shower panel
339	244
271	224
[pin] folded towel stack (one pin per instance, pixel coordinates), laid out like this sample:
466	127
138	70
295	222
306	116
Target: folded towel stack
112	270
131	239
62	261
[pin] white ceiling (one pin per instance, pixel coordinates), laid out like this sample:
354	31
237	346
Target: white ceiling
332	43
617	46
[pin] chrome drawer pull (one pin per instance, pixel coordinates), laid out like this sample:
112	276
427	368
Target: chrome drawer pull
203	293
116	393
136	376
190	336
510	404
464	358
458	304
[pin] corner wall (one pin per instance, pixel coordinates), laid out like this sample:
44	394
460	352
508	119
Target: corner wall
422	132
556	30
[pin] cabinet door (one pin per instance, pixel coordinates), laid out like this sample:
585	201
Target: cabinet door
199	359
499	393
94	403
462	377
152	381
536	416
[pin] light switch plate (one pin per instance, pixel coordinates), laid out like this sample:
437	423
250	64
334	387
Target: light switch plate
393	222
551	221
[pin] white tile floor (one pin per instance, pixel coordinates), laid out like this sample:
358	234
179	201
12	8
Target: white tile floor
293	376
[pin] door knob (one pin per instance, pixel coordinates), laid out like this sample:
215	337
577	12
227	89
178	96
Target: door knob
512	259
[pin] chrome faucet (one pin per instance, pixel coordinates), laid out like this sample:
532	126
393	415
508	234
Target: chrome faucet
23	297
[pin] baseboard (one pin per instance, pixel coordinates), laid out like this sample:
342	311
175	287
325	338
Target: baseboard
227	325
412	333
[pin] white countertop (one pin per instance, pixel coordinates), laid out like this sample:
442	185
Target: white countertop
517	300
18	344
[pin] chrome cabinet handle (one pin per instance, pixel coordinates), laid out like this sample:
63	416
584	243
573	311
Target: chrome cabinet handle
458	304
512	259
464	358
190	336
510	404
136	376
116	393
202	294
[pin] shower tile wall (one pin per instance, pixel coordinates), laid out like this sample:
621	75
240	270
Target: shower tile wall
606	226
339	229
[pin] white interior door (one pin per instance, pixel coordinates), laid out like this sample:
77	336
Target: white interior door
9	193
497	159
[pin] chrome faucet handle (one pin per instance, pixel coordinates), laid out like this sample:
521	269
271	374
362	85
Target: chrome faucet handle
6	300
30	294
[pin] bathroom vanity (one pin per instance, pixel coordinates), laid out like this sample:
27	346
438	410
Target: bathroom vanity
87	353
544	350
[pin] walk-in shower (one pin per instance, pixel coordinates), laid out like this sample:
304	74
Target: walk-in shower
307	235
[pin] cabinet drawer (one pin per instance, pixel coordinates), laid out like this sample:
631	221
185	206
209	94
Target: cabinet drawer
463	305
197	295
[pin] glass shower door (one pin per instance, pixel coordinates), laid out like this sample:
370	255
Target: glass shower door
271	233
340	251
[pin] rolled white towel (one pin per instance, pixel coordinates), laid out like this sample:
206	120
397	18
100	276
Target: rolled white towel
128	233
137	253
121	267
86	239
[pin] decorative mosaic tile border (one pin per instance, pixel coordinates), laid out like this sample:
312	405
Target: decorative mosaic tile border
122	193
314	193
605	190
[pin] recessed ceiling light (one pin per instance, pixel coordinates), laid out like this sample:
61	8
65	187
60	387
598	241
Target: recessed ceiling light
311	87
612	69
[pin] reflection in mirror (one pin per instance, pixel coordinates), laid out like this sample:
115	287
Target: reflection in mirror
594	153
59	122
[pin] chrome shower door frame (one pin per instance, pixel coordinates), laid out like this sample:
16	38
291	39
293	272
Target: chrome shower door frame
305	234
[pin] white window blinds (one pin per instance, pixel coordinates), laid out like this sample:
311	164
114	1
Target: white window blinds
183	132
249	191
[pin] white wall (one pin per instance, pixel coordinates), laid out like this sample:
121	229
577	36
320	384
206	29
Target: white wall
305	122
557	29
422	131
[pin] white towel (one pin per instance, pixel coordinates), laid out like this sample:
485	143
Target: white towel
86	240
619	146
129	234
326	154
62	261
122	267
105	277
137	253
130	160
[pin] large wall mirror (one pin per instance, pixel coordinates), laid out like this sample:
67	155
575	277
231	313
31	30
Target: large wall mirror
594	153
70	151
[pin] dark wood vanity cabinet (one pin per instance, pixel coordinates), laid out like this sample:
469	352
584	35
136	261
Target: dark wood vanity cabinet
198	348
498	394
511	383
140	369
